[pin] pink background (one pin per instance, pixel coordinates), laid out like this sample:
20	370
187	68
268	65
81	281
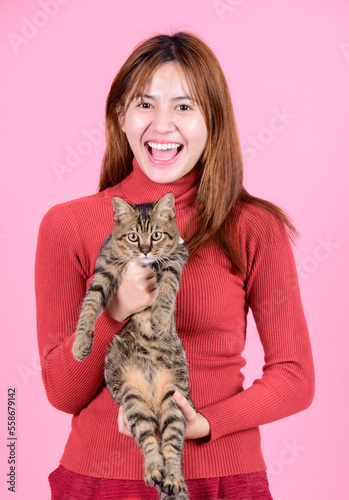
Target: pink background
289	58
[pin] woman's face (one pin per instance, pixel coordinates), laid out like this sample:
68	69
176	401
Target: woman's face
166	130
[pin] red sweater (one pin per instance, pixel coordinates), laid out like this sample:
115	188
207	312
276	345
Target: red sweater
212	304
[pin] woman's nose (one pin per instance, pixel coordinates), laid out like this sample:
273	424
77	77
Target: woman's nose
163	120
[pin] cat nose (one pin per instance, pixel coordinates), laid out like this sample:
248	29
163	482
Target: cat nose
145	250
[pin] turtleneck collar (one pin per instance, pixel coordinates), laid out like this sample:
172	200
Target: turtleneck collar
138	188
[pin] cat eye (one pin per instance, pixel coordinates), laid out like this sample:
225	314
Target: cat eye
156	236
132	237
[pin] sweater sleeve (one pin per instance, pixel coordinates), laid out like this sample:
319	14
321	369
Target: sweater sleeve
61	280
272	292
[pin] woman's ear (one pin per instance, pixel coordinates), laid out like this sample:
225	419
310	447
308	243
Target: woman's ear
121	118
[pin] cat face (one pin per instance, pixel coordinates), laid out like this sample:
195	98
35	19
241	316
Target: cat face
145	232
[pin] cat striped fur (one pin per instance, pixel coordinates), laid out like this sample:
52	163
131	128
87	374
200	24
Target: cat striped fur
146	361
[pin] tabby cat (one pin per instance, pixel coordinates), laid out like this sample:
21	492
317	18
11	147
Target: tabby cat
146	362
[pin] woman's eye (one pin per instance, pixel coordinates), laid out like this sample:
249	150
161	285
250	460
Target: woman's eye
156	236
144	105
132	237
184	107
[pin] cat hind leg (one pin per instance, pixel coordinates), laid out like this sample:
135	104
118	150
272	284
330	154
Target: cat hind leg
135	394
172	431
144	426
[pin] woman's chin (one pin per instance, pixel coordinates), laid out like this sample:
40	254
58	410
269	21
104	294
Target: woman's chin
163	171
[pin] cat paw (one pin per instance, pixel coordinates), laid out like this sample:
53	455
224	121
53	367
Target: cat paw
154	474
81	347
172	485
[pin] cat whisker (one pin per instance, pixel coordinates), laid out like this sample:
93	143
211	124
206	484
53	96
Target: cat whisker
157	262
164	259
122	261
161	260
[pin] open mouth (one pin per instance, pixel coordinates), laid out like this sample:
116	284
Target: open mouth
164	152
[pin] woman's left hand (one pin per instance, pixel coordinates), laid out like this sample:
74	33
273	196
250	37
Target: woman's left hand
197	425
123	425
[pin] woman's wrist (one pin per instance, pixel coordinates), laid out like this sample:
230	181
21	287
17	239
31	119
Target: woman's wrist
116	312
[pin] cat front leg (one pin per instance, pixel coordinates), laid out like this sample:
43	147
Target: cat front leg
160	320
95	301
83	344
163	307
86	329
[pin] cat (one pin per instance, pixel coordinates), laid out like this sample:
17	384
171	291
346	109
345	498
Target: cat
146	361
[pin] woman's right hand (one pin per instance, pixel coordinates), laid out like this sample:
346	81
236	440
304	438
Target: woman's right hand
137	291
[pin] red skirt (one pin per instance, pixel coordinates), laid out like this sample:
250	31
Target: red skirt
68	485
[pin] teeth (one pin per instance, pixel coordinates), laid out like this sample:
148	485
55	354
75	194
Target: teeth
156	145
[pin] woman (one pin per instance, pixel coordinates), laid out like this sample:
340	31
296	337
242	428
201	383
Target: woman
170	127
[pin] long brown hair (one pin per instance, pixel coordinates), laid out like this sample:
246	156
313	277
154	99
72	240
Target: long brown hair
220	166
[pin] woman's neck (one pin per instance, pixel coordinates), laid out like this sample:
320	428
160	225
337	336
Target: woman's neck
138	188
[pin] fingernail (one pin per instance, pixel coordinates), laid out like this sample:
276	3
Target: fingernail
178	396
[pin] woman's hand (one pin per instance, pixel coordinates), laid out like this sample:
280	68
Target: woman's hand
137	291
197	425
123	425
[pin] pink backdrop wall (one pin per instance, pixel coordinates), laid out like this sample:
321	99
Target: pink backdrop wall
287	64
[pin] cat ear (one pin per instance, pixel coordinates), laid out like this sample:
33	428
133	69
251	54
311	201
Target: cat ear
165	207
122	209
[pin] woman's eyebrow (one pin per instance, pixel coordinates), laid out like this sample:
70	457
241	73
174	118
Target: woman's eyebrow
179	98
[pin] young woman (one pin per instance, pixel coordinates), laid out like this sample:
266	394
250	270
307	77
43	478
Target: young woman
170	127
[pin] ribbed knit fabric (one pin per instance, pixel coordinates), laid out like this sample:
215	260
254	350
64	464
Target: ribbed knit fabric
211	310
67	485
